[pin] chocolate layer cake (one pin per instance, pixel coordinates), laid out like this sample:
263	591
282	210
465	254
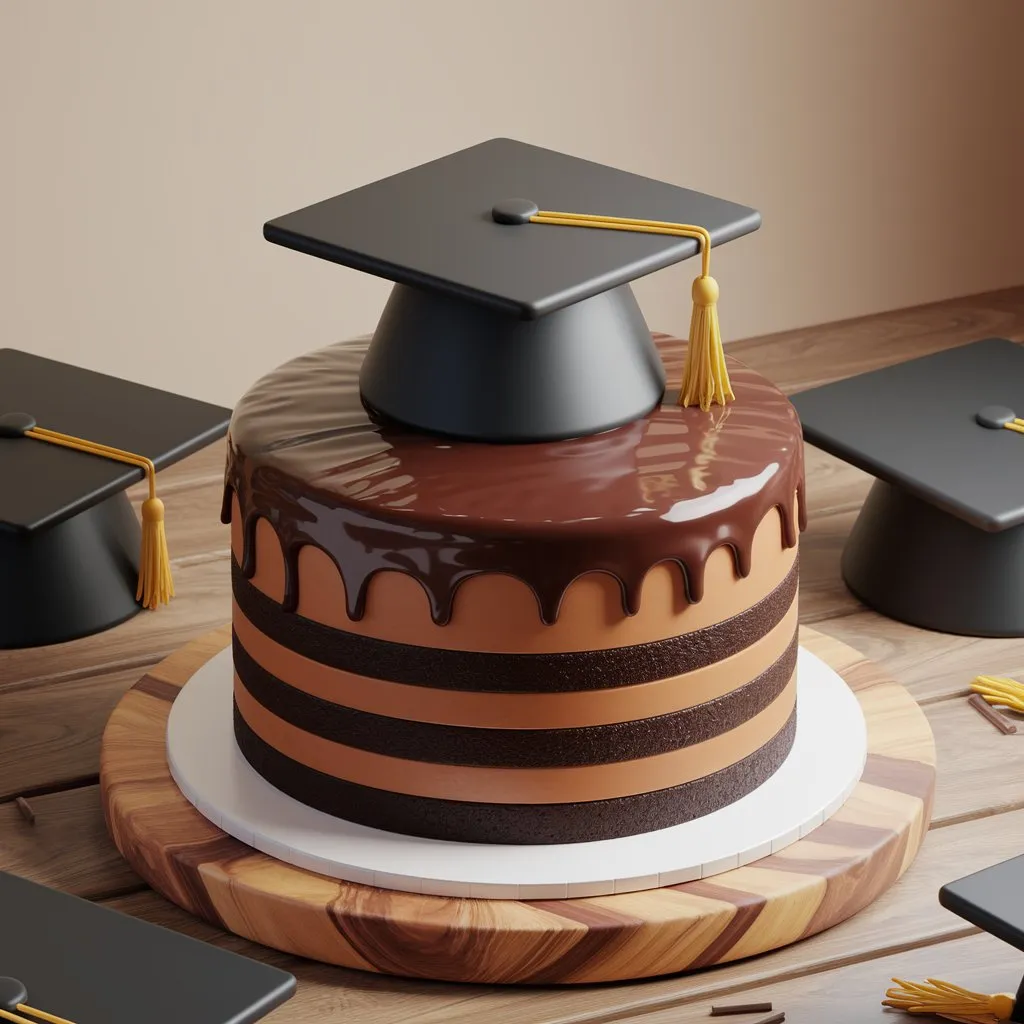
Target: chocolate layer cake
513	643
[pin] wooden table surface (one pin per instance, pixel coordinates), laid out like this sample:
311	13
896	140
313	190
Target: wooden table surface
54	703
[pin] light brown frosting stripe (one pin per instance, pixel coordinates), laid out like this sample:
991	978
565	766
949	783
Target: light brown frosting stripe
516	785
496	613
516	710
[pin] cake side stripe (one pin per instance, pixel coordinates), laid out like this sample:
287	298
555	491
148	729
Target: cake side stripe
489	710
519	673
515	824
518	785
398	737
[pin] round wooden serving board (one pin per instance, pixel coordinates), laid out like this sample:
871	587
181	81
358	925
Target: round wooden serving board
837	870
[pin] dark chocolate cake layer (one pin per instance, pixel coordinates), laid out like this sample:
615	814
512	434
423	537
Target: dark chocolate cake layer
515	824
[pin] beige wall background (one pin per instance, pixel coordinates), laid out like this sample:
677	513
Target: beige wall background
144	143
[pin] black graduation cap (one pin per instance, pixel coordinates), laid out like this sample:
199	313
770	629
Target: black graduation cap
66	958
940	540
991	899
72	558
509	319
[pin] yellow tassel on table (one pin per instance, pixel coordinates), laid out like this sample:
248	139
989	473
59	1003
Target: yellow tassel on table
943	999
705	376
1000	692
155	585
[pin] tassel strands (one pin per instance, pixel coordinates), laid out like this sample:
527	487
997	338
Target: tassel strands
943	999
999	691
705	376
155	584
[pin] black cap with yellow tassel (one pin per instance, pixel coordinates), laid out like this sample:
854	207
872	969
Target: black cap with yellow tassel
992	899
155	585
501	330
74	558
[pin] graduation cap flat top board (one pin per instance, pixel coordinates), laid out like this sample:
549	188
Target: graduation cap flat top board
940	540
92	965
69	539
500	328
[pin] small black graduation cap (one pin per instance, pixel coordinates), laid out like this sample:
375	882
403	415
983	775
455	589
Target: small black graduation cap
63	958
509	319
72	558
940	540
993	900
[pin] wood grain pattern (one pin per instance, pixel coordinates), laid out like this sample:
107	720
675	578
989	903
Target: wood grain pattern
55	741
204	468
66	847
837	870
933	666
147	637
905	918
853	994
806	358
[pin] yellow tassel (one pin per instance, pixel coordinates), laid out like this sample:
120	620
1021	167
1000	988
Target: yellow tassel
946	1000
155	583
706	377
1001	692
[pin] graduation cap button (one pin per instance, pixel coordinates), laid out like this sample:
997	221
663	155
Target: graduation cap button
12	994
514	211
995	417
16	424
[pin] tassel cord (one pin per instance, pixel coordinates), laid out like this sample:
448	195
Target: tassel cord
155	585
705	375
648	227
92	448
50	1018
7	1015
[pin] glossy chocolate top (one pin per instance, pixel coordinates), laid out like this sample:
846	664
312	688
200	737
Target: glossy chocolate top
673	486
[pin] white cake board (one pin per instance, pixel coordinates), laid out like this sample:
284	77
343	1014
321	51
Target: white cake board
823	768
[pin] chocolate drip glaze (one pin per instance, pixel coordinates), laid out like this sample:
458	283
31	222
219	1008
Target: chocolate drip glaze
672	487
